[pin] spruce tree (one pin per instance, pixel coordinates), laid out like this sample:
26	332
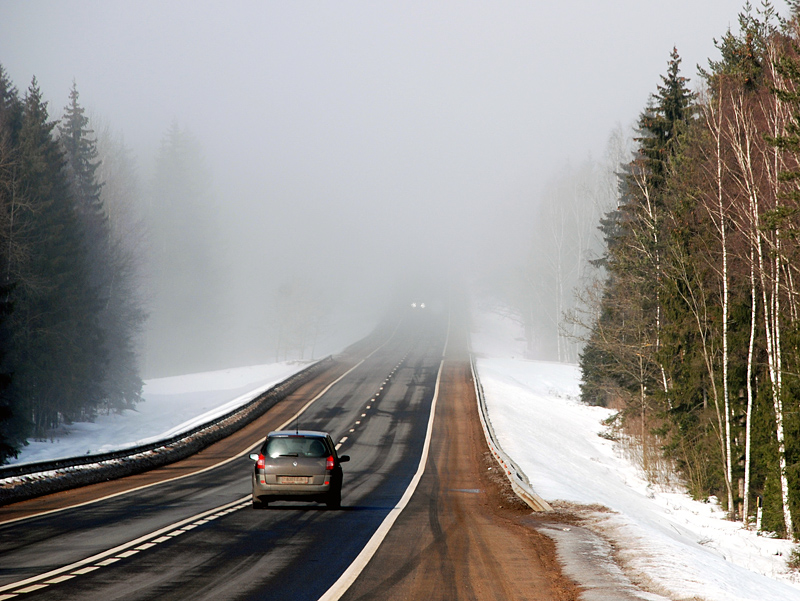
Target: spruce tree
121	386
80	153
633	231
56	329
663	123
10	120
623	362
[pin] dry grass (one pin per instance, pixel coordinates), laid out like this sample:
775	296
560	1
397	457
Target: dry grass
644	450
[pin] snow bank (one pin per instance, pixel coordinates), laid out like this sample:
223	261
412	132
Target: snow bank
170	406
664	539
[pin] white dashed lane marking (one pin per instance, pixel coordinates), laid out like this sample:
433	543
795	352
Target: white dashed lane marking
85	570
30	589
368	407
60	579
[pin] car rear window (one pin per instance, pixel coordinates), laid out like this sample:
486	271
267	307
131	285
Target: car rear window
296	446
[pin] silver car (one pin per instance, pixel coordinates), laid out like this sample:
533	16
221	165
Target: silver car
298	466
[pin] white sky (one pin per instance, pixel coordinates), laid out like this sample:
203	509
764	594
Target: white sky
363	137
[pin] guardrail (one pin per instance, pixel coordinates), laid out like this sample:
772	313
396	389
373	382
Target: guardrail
19	482
517	478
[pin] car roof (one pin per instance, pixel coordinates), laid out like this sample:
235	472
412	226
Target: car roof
304	433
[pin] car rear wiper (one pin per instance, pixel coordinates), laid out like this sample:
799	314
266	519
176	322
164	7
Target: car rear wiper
288	455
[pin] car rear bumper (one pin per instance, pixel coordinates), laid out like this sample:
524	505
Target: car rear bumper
288	491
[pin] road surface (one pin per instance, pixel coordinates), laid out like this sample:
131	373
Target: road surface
188	531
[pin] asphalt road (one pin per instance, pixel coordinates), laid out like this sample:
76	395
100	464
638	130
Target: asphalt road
188	530
197	537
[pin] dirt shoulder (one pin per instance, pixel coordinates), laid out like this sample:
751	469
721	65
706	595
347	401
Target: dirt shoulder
464	534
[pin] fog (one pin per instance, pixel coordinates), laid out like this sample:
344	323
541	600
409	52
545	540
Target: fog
357	147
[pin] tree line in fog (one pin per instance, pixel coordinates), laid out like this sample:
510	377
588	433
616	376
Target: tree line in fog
105	280
685	313
68	308
98	275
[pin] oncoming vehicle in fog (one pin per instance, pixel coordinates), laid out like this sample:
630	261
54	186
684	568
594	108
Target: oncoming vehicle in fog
300	465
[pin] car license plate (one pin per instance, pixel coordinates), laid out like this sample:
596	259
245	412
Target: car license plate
293	479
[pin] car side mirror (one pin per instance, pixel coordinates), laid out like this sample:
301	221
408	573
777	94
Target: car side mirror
254	456
344	458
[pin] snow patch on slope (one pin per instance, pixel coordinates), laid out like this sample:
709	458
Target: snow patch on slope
664	540
170	406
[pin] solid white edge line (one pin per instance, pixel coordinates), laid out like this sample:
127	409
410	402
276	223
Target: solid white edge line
348	577
216	465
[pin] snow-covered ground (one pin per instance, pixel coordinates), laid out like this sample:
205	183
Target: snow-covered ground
171	405
675	546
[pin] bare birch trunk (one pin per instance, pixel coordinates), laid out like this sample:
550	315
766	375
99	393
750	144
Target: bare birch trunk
744	141
651	224
714	121
749	418
725	387
725	301
777	394
772	333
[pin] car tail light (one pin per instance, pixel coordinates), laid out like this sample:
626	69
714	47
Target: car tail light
329	464
261	463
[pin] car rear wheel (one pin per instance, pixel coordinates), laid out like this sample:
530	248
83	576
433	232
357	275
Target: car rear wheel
259	503
334	498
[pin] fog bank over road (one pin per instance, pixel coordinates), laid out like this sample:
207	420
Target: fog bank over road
351	145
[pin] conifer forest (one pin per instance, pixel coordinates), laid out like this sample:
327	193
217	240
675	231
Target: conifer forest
692	322
70	312
87	258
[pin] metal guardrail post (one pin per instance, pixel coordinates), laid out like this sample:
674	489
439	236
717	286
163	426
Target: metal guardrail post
517	478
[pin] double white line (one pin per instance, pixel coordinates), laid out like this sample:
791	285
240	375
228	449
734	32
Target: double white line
106	558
